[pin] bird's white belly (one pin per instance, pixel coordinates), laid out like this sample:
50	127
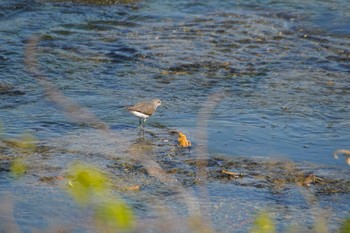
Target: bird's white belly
139	114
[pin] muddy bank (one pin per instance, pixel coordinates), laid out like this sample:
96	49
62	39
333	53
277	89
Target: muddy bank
160	146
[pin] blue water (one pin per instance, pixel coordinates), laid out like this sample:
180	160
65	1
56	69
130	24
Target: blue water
283	68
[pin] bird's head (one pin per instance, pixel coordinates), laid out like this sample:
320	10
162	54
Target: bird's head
157	102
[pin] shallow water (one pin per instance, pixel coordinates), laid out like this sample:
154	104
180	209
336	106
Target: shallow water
282	66
285	69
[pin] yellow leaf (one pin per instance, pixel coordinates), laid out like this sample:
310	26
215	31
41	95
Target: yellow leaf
182	140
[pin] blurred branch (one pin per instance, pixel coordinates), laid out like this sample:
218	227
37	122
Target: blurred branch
72	109
7	219
201	150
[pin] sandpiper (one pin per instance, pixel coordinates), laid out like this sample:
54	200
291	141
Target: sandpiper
143	110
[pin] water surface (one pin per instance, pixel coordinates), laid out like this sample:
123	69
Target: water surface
283	67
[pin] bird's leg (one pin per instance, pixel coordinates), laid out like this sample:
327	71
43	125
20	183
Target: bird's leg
144	121
140	122
141	134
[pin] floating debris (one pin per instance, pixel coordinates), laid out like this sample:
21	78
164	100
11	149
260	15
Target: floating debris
182	140
133	188
234	174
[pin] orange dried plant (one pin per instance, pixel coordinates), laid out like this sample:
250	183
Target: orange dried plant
182	140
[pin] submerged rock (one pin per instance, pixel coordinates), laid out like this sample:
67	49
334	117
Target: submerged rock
7	89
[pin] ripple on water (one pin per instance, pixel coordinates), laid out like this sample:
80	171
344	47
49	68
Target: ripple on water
284	72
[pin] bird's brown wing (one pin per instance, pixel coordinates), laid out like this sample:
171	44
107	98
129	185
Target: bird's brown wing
143	107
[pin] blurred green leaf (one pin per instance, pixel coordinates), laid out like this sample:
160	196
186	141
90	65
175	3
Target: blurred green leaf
18	167
263	223
115	215
345	227
86	182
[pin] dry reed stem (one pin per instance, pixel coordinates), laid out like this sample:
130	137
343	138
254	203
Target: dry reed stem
7	219
201	151
73	110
